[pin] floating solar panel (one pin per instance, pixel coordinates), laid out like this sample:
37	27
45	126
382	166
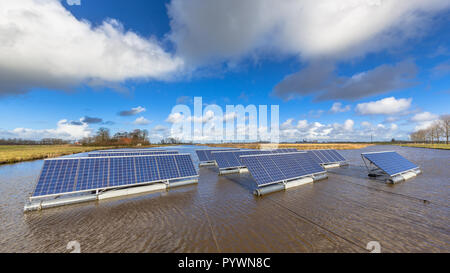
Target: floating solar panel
390	162
273	168
72	175
205	155
228	160
97	154
201	155
326	156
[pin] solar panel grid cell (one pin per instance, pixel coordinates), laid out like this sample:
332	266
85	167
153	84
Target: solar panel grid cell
262	176
185	166
338	155
325	156
201	155
146	169
332	157
271	168
290	168
167	167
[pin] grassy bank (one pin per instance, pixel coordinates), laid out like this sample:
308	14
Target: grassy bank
19	153
427	145
300	146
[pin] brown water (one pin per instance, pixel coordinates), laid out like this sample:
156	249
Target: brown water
340	214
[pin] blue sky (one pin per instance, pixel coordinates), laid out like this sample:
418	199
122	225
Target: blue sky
338	71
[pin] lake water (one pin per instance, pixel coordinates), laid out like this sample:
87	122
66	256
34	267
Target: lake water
340	214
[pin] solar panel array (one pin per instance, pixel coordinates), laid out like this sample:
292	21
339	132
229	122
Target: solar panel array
325	156
227	160
274	168
68	175
205	155
96	154
390	162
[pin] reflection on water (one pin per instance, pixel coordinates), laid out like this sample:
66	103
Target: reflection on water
340	214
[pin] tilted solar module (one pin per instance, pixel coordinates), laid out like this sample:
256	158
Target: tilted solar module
326	156
201	155
226	160
70	175
96	154
273	168
390	162
205	154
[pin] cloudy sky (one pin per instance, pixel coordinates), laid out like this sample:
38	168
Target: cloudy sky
339	70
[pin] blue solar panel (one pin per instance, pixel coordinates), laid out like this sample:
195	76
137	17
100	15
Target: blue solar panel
68	175
390	162
167	167
201	155
91	174
133	153
205	155
185	166
146	169
278	167
326	156
226	160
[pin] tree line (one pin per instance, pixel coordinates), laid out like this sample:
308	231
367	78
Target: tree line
437	132
103	137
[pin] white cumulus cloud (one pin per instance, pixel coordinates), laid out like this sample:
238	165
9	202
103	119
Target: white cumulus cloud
43	45
386	106
141	121
424	116
337	107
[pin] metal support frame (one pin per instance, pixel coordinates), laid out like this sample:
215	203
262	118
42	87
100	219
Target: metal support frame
207	163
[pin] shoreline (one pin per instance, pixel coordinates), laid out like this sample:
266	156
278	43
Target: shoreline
427	146
12	154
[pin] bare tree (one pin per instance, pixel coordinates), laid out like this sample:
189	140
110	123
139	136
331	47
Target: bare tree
445	123
103	135
433	133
